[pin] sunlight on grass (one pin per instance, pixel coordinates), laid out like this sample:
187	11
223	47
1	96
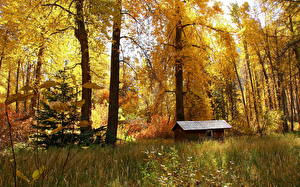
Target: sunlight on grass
243	161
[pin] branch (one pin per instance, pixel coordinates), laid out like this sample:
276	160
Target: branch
124	61
72	67
63	8
127	13
62	30
208	26
170	91
137	44
289	45
169	45
293	1
204	47
186	25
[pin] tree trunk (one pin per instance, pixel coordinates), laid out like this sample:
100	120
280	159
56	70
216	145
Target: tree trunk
283	103
8	82
273	70
296	47
3	50
262	63
82	37
179	73
112	128
27	83
242	91
1	58
17	84
34	99
281	88
297	100
245	45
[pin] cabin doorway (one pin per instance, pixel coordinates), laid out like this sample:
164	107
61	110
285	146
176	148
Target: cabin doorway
209	133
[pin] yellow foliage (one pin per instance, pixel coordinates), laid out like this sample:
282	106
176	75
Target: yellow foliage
91	85
78	103
37	173
17	97
85	123
59	106
59	128
49	84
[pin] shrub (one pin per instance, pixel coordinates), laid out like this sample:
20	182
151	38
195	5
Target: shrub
20	128
160	127
272	121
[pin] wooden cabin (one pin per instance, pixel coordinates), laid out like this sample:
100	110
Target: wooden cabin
199	130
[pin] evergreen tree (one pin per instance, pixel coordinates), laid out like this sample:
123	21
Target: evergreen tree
58	117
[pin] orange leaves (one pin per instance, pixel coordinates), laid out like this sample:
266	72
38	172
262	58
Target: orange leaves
160	127
20	128
22	176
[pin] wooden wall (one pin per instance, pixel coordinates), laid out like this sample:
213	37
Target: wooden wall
180	134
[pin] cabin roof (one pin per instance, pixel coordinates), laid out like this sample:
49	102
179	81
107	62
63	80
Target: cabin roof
202	125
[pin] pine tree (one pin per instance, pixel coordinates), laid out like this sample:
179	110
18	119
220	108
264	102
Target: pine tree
58	117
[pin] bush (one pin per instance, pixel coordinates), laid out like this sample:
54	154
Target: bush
20	128
160	127
272	121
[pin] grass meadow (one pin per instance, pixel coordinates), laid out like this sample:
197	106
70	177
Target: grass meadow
240	161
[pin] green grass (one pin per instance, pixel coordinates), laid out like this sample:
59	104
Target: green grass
243	161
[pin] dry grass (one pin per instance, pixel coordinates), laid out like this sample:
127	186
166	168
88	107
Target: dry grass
244	161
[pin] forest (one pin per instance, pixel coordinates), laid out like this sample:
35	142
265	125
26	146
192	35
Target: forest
90	91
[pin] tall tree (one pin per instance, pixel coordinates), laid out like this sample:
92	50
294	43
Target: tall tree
111	135
82	36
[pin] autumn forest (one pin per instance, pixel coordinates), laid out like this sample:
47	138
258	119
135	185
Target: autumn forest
84	78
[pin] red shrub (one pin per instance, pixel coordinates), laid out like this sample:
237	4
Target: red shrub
20	128
160	127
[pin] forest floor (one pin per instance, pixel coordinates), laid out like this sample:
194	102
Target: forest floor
240	161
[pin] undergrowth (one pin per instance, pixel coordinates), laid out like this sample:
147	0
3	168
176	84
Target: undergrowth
241	161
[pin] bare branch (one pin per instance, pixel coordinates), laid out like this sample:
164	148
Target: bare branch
62	30
170	91
204	25
57	5
127	63
127	13
204	47
142	48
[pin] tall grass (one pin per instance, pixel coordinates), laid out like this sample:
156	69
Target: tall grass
246	161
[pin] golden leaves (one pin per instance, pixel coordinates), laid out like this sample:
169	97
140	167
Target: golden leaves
26	88
85	123
91	85
37	173
78	103
49	84
51	119
241	32
59	106
58	129
17	97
